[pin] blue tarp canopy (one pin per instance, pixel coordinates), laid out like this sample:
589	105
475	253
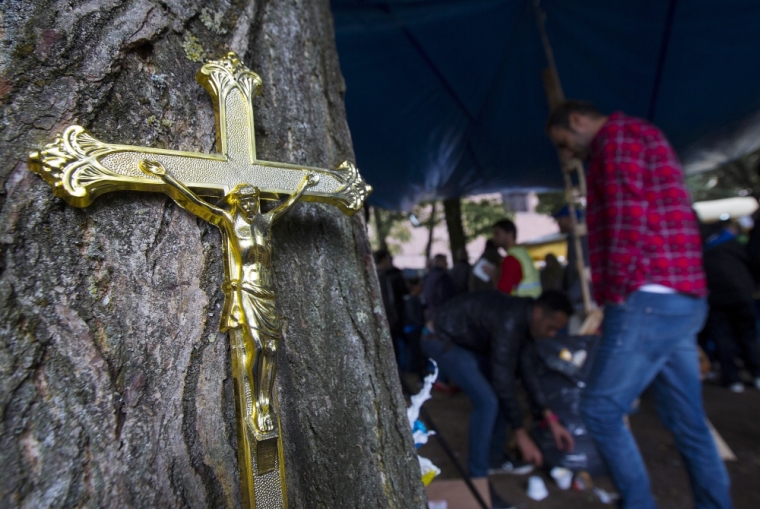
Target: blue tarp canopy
446	98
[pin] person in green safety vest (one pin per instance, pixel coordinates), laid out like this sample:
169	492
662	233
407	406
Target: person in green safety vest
519	275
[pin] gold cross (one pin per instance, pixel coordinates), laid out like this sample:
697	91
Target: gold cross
79	168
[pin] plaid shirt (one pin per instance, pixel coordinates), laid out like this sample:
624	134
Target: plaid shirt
641	227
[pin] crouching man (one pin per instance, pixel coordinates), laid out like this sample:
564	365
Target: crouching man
476	339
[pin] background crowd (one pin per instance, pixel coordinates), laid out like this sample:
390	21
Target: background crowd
662	278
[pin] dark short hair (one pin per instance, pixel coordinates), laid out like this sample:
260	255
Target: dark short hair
380	255
560	115
507	226
554	300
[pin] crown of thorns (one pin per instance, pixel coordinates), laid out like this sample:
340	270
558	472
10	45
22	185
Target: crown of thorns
247	191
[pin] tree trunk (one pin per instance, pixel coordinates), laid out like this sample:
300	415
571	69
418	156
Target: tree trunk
432	221
381	227
452	209
116	382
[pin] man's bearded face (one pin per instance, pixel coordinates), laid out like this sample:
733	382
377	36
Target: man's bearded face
571	143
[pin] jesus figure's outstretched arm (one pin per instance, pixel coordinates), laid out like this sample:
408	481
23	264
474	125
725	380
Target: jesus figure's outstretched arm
181	194
309	180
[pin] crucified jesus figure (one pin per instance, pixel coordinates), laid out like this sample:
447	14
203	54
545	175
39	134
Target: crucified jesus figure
249	313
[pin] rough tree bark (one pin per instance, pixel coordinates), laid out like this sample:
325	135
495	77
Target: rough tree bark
116	385
452	208
381	227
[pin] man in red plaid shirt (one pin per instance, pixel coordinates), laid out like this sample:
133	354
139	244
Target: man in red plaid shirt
646	264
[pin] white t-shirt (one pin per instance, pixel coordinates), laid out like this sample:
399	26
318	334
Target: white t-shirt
650	288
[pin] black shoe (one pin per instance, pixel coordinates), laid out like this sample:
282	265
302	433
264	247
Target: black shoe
497	502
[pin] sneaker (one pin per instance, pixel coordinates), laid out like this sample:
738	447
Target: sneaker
497	502
738	387
516	467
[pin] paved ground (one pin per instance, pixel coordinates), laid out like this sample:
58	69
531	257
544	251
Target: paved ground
735	416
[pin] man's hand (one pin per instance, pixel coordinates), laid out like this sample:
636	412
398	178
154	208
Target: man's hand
152	167
528	448
562	437
312	179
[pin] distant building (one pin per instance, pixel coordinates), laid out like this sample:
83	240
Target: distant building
520	201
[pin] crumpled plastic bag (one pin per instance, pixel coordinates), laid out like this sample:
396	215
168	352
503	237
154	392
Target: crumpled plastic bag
419	432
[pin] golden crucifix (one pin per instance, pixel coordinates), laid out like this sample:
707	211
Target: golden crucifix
79	168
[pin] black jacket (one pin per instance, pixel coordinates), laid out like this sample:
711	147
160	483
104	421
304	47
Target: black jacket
753	250
438	288
460	276
495	324
729	278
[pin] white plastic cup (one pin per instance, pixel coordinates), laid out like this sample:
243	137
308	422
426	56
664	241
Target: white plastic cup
563	477
536	488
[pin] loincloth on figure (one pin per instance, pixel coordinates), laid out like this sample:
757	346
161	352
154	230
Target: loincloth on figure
248	304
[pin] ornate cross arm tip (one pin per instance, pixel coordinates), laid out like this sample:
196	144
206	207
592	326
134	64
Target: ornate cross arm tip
71	165
219	76
349	197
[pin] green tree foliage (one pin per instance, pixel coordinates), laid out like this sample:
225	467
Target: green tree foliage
391	229
551	201
478	216
737	178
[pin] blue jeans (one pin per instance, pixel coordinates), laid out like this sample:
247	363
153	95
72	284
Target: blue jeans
651	339
471	372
